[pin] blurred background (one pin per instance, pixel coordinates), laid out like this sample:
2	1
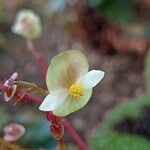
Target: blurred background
114	35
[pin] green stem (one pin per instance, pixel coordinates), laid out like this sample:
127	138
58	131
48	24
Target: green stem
32	85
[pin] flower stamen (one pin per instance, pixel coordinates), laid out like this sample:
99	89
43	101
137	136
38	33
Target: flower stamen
76	91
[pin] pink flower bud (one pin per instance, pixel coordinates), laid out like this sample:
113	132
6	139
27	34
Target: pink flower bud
13	132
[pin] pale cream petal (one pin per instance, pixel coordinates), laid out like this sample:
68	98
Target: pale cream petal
53	100
65	69
91	79
72	105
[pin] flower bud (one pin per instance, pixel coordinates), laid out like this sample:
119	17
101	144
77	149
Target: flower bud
27	24
13	132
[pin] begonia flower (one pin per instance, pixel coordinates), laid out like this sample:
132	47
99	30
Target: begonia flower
27	24
69	83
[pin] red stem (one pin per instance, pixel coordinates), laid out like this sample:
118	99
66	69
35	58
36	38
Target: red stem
73	134
38	57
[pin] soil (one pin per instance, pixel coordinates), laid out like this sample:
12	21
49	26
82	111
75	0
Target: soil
139	126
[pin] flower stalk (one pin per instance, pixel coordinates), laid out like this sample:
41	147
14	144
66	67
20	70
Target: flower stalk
74	135
33	86
38	57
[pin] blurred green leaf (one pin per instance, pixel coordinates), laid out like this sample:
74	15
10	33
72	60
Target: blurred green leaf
147	72
37	133
2	40
107	138
2	15
121	11
5	117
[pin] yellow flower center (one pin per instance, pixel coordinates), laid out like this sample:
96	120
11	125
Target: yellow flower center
76	90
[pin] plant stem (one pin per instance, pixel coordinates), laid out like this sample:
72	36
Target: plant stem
40	60
32	85
73	134
38	57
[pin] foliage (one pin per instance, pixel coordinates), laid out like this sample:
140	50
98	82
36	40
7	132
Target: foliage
2	15
147	73
2	39
106	138
36	135
121	11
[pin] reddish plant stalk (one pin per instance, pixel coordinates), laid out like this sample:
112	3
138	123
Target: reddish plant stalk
38	57
73	134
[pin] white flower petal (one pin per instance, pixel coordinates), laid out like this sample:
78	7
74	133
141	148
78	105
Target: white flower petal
91	79
53	100
71	105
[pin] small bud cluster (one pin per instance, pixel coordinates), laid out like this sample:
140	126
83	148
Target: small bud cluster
10	90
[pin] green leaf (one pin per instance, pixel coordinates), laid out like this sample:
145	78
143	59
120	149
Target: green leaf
37	133
120	11
2	39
